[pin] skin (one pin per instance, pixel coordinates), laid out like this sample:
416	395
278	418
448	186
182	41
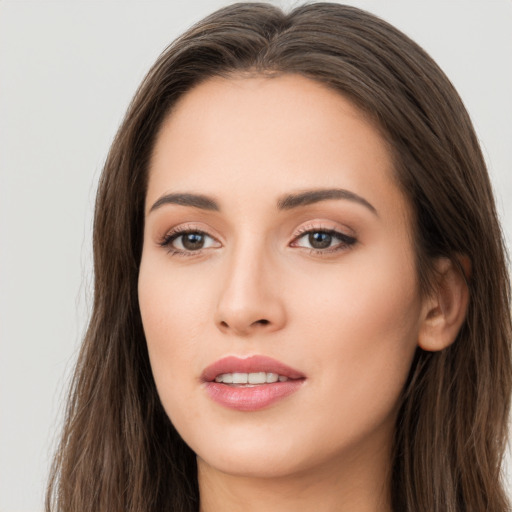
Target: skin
349	317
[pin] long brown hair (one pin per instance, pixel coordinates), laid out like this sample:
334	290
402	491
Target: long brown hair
119	450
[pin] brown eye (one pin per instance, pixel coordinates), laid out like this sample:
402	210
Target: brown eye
188	241
192	241
324	240
319	240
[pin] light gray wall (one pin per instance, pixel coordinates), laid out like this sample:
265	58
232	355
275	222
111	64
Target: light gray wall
67	72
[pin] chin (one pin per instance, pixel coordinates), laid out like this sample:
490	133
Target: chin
254	455
244	464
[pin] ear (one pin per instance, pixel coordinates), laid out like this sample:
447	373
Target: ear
445	309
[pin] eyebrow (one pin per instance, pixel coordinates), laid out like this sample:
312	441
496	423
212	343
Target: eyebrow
287	202
184	199
315	196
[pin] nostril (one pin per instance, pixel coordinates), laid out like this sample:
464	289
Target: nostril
243	327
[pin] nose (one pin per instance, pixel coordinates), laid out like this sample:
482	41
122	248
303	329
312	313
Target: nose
251	299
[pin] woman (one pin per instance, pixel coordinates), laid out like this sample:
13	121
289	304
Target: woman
301	297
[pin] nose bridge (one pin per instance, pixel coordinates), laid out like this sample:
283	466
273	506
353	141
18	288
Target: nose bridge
249	300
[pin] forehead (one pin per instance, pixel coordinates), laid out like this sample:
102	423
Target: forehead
254	107
270	134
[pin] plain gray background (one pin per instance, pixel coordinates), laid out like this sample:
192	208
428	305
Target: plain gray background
67	72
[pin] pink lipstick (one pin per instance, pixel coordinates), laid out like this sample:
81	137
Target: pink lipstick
250	384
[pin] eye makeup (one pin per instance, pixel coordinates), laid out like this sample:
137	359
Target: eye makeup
189	240
323	241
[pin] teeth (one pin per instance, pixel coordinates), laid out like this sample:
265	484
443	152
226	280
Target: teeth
239	378
250	378
257	378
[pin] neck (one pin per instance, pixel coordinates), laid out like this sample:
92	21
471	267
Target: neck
358	486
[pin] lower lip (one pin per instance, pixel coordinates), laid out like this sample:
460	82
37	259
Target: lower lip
251	398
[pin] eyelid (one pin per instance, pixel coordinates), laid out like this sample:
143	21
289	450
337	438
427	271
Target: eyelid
324	225
346	241
175	232
187	227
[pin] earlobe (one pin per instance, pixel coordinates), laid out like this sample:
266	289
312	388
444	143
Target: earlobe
445	309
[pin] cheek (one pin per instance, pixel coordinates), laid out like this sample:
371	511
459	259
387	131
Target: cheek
175	310
362	335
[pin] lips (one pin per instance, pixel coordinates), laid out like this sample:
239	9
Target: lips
253	364
239	383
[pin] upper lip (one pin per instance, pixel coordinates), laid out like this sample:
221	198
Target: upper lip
252	364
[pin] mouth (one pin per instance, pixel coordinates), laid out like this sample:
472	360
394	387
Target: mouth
250	379
250	384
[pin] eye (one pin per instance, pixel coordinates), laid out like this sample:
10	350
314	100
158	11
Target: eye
324	240
188	241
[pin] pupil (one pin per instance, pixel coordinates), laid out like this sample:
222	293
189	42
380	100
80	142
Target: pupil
320	240
193	241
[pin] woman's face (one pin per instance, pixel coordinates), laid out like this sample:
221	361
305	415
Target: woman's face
277	246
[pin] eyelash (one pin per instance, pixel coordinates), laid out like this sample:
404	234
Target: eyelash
345	241
176	233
